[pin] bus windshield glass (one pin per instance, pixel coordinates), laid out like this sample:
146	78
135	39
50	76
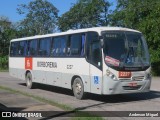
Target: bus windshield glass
124	49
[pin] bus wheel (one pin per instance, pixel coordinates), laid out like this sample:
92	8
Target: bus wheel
29	83
78	88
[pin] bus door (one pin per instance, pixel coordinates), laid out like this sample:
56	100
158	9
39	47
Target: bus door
95	59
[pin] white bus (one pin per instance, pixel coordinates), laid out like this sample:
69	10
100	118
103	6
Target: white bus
100	60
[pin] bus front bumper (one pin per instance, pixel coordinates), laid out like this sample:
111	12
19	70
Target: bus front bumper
111	86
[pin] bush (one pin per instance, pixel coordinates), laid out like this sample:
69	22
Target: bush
156	68
4	62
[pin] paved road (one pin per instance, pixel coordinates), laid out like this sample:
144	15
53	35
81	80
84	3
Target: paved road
133	102
11	102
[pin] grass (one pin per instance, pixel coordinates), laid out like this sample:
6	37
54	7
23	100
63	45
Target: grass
85	116
79	115
3	70
64	107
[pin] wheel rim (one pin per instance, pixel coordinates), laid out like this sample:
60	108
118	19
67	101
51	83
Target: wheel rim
28	81
78	88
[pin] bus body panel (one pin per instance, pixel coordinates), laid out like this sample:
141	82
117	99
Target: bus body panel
16	67
58	75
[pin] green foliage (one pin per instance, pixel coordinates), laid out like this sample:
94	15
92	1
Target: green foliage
4	62
84	14
156	68
144	16
7	32
82	115
41	17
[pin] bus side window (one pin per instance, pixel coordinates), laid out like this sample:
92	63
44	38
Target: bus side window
76	45
87	46
58	46
93	49
83	41
96	57
63	46
28	47
69	46
21	48
32	48
44	47
52	48
14	50
25	48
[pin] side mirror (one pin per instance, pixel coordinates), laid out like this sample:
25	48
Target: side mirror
99	64
101	41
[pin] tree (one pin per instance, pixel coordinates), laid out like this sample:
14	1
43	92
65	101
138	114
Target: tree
84	14
144	16
41	17
7	32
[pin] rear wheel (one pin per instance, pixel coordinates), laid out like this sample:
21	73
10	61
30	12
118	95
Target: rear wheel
78	88
29	83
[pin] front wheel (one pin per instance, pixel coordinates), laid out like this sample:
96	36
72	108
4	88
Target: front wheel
29	83
78	88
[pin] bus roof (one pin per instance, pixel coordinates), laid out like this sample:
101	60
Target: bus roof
96	29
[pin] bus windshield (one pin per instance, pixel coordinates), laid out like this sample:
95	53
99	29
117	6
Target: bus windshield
125	50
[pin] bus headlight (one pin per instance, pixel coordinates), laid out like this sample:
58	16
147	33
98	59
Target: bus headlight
148	76
111	75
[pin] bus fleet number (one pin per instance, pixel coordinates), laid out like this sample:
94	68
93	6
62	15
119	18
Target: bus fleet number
69	66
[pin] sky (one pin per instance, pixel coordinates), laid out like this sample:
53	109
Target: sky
8	7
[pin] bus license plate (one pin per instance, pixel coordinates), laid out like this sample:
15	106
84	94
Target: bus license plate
132	84
124	74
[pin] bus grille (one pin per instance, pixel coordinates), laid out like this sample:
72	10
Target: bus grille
132	87
138	78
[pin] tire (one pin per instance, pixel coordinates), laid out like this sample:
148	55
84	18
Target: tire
29	83
78	89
